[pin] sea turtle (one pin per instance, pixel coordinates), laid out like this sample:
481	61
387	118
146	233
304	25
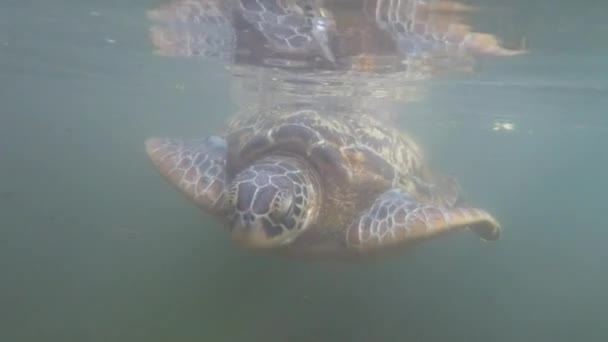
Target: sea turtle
309	183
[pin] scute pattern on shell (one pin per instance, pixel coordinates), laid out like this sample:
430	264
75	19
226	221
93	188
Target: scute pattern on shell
389	143
368	150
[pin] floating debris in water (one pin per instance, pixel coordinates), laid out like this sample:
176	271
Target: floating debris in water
503	126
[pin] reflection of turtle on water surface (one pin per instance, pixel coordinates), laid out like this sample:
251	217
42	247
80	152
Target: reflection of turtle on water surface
321	34
310	178
245	29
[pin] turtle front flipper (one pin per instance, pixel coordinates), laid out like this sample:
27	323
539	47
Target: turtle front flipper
195	167
396	220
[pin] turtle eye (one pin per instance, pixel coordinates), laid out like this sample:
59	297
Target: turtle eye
281	205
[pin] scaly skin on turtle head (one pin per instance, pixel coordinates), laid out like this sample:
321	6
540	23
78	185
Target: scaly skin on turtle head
273	201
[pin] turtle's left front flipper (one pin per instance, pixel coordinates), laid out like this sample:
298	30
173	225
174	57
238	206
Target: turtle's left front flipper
395	220
196	167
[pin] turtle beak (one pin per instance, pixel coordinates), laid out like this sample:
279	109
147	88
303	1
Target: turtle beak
251	234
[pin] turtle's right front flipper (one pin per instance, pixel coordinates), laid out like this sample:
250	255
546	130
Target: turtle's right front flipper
195	167
396	220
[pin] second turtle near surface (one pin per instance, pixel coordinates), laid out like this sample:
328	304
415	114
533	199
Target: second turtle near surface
302	183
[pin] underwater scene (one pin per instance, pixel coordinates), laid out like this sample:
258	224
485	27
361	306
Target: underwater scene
303	170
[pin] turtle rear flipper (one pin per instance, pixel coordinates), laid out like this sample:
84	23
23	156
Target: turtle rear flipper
195	167
395	220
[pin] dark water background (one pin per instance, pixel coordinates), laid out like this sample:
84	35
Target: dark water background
94	246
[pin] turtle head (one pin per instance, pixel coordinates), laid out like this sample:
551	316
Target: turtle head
273	201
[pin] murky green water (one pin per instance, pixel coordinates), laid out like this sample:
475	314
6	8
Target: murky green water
94	246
